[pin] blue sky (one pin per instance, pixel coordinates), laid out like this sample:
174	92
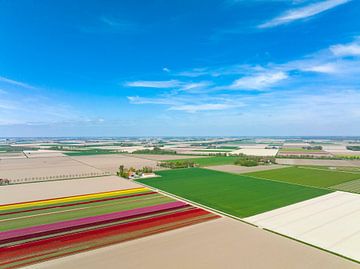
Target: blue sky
225	67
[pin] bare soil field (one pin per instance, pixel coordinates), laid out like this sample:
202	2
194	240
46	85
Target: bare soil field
237	169
352	163
17	155
43	153
299	153
256	151
120	148
221	243
111	162
161	157
330	222
35	169
55	189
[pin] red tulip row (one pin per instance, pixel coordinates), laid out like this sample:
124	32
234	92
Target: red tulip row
39	243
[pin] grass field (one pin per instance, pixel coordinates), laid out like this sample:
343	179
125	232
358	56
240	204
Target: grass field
238	195
307	176
335	168
213	160
350	186
91	152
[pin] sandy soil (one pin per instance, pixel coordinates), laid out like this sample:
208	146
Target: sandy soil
43	153
163	157
111	162
39	168
296	145
237	169
54	189
330	222
17	155
120	148
222	243
256	151
353	163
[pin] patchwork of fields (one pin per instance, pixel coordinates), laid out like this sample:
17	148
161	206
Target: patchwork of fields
307	176
40	230
238	195
214	160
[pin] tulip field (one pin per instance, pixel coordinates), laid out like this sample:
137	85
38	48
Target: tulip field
36	231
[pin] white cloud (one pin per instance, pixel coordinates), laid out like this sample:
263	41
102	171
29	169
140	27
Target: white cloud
137	100
303	12
352	49
328	68
259	82
195	85
200	107
16	83
165	69
154	84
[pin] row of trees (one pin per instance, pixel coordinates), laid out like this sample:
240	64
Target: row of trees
246	160
155	150
55	177
130	172
177	164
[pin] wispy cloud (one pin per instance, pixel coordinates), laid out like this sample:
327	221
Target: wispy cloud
352	49
259	82
165	69
16	83
303	12
201	107
154	84
154	101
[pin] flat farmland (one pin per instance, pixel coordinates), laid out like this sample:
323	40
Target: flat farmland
220	243
330	222
256	151
238	169
30	169
349	163
111	162
40	230
350	186
56	189
238	195
213	160
307	176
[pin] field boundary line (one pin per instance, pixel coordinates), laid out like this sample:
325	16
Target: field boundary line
215	211
329	170
223	214
311	245
279	181
71	157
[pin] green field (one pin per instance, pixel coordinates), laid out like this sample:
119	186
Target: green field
307	176
350	186
238	195
91	152
213	160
